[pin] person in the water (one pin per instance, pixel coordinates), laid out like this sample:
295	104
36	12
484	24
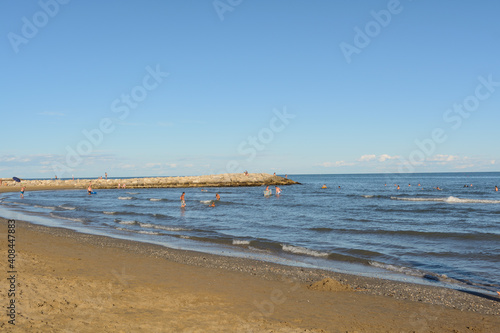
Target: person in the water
183	201
278	190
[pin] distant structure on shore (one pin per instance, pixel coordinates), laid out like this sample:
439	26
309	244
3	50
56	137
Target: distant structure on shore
222	180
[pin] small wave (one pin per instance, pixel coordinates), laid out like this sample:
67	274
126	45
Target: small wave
321	229
148	232
144	232
109	213
128	222
125	198
397	269
240	242
132	193
46	207
161	227
303	250
206	202
450	199
67	207
153	199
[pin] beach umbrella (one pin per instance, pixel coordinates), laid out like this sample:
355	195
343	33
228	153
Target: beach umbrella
16	179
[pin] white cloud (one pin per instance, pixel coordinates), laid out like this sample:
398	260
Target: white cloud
380	158
335	164
385	157
366	158
443	158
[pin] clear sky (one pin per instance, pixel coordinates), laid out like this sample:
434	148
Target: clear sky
143	88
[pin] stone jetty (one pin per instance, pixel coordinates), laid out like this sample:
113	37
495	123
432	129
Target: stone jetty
222	180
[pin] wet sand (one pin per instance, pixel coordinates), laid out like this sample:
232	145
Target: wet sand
72	282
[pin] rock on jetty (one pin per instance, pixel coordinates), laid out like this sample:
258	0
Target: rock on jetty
222	180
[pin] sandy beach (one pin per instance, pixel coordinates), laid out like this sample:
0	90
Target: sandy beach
71	282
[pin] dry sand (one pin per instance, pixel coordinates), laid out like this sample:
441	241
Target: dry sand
71	282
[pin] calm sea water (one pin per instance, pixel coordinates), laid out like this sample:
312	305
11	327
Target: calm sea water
360	223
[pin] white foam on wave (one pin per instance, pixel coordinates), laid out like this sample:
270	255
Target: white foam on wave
127	222
132	192
406	270
109	213
67	207
148	232
45	207
206	202
161	227
397	269
240	242
303	250
138	232
125	198
154	199
367	196
450	199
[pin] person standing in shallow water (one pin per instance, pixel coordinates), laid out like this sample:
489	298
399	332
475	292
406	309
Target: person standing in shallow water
217	196
22	191
183	201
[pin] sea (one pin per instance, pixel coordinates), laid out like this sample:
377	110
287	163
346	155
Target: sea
438	228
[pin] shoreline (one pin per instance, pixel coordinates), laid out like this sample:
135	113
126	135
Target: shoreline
78	255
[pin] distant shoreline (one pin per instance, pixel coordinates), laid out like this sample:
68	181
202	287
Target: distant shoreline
222	180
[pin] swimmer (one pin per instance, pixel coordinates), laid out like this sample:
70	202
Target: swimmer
89	189
324	186
278	191
217	196
496	188
339	187
437	188
213	204
22	191
183	202
409	184
398	187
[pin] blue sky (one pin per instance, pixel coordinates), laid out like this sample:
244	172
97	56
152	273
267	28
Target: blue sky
197	87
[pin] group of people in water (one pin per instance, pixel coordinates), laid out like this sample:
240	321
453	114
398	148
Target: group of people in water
183	199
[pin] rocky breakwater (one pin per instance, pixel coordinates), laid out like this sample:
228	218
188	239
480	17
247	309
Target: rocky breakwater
222	180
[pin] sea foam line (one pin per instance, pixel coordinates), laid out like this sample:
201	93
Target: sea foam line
303	250
450	199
